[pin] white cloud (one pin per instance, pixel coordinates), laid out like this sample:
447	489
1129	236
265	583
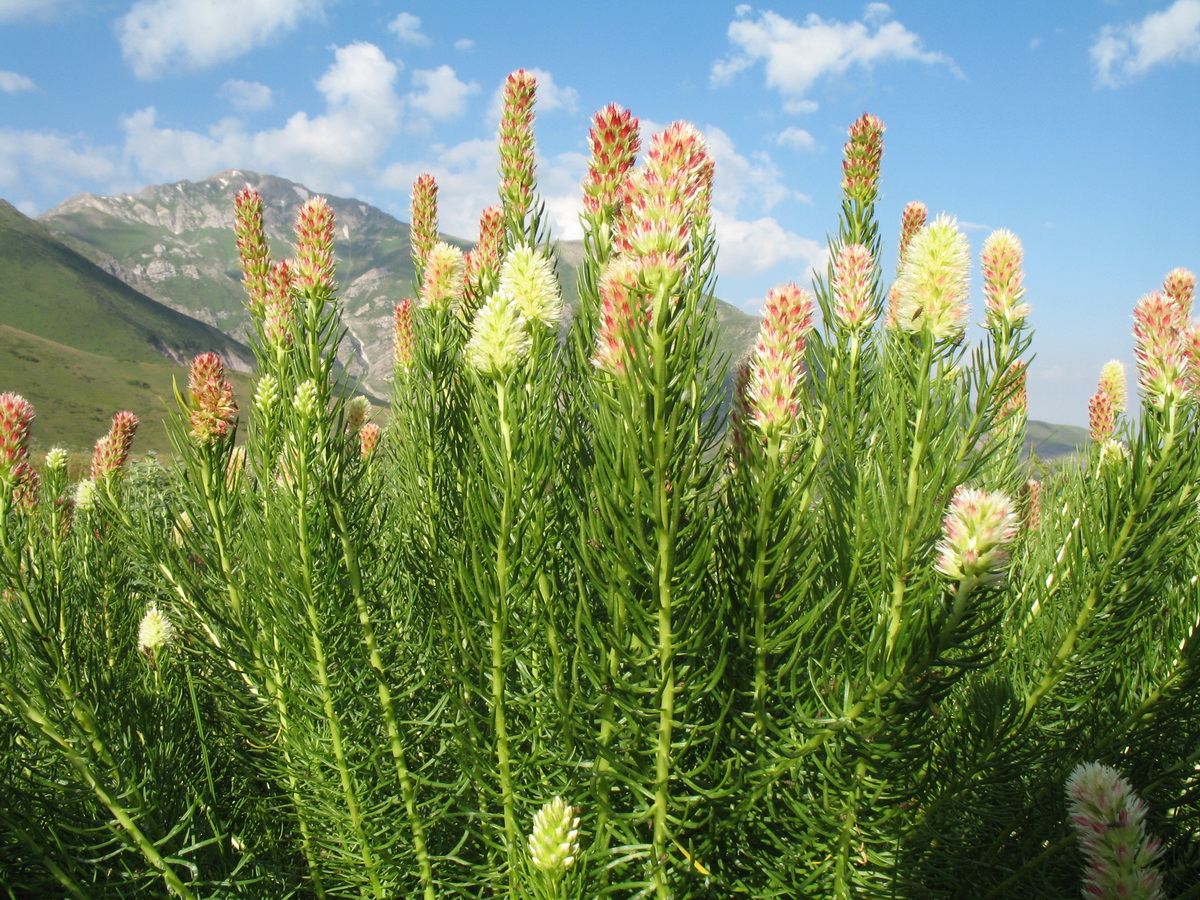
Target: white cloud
19	9
246	96
12	83
161	35
464	44
797	56
52	164
439	92
741	180
407	28
1122	53
467	182
796	138
362	117
753	247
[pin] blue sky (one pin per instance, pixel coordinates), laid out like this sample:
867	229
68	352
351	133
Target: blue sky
1075	124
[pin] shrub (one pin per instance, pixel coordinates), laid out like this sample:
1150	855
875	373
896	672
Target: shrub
561	629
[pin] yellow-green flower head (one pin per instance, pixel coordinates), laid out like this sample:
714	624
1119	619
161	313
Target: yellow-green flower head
85	494
554	841
307	399
1114	454
933	282
1112	382
56	459
499	341
528	276
442	287
155	631
266	395
357	410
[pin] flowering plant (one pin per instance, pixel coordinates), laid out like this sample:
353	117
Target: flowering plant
821	629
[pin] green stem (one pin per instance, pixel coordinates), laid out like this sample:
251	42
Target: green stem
320	661
664	565
900	572
403	774
499	636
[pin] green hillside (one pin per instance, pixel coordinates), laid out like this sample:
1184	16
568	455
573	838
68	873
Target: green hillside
49	290
75	393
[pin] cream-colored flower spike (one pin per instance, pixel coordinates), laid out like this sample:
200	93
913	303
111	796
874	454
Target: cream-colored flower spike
933	282
155	631
499	341
976	534
554	840
528	277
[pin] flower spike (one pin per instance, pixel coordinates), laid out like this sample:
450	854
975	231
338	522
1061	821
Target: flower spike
251	246
861	158
933	282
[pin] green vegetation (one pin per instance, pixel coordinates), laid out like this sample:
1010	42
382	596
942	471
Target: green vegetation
562	631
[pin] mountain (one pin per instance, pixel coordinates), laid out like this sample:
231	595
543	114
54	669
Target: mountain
175	243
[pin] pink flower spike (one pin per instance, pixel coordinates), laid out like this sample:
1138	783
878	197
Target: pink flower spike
623	310
112	450
1180	286
252	246
313	270
481	267
423	217
1031	504
912	220
777	361
278	308
1109	822
213	409
27	485
368	439
861	159
1102	417
516	145
1016	403
403	344
852	287
1159	348
16	415
1003	277
614	142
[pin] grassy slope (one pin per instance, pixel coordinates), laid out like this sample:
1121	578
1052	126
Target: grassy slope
75	393
49	290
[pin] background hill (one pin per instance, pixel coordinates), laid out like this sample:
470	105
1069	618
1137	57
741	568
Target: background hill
49	290
80	344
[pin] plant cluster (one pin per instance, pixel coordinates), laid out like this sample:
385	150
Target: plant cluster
573	624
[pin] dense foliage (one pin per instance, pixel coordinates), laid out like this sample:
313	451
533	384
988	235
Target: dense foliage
572	625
